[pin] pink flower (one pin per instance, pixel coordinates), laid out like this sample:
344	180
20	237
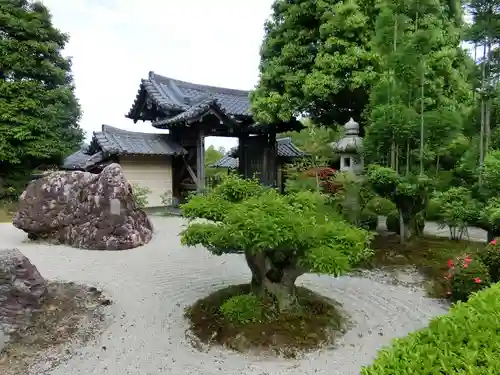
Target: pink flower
477	280
468	259
493	242
466	265
450	263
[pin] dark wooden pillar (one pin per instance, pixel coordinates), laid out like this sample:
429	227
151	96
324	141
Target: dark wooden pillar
200	161
243	157
269	175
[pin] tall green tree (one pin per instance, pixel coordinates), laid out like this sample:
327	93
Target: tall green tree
316	60
484	33
38	110
419	104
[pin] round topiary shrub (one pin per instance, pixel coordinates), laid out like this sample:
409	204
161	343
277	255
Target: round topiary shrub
466	275
380	206
368	220
242	309
464	341
490	256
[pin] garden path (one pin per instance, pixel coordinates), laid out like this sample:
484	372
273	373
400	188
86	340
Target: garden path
151	286
432	229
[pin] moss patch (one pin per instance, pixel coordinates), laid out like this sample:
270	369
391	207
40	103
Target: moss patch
428	254
316	324
70	312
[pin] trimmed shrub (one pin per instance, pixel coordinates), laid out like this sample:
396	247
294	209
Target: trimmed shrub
466	275
368	220
464	341
490	256
381	206
242	309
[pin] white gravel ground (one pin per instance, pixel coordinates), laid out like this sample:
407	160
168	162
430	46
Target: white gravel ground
150	286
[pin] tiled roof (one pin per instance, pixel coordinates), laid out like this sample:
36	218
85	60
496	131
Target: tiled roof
175	95
285	149
191	114
123	142
115	141
77	159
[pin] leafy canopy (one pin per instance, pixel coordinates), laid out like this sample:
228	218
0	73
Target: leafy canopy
256	219
38	110
316	59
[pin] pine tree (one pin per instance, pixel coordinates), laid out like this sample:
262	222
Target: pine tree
38	110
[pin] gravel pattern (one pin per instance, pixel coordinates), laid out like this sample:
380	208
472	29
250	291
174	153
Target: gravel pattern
150	287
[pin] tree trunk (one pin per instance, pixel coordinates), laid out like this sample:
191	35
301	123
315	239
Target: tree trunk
275	283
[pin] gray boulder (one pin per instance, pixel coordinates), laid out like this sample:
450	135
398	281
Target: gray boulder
85	210
22	290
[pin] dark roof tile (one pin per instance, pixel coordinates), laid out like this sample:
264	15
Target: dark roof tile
123	142
179	96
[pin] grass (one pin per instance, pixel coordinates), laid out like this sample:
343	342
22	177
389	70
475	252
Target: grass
69	311
428	254
7	210
316	324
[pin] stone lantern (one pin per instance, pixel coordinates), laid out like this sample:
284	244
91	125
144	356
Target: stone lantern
350	148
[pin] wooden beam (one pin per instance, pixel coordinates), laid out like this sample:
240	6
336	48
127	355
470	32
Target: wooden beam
190	171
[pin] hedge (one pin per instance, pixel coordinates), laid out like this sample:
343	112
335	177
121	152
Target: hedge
464	341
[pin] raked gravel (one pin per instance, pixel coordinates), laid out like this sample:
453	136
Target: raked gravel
150	287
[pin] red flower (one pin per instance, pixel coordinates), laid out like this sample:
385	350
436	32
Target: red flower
493	242
468	259
477	280
466	265
450	263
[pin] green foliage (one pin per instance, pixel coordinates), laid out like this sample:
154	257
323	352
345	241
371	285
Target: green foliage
380	206
39	112
316	58
464	341
409	193
213	155
297	229
491	173
490	215
316	141
368	220
433	210
140	195
457	210
467	275
490	256
242	309
423	78
392	222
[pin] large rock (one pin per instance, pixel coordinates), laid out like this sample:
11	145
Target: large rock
22	290
81	209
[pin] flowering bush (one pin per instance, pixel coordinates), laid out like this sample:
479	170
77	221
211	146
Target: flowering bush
490	256
466	275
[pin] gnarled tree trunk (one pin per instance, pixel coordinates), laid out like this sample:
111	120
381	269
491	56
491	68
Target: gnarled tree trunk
278	283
